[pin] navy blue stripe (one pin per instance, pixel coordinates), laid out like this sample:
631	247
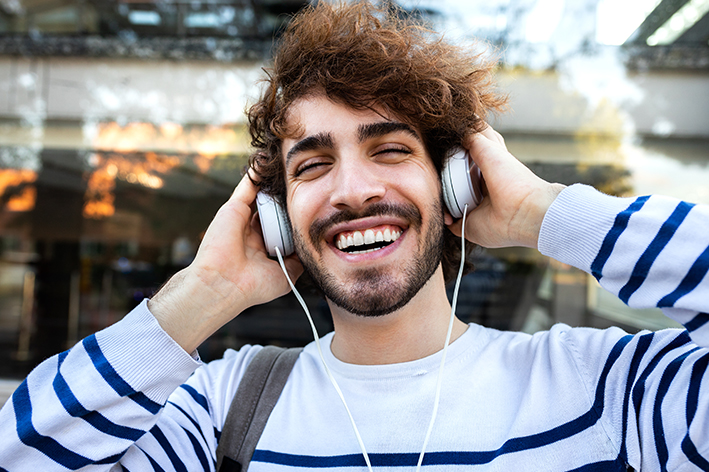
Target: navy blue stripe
659	431
197	428
349	460
558	433
619	225
178	465
153	462
663	236
695	275
192	420
688	447
690	450
44	444
697	322
111	459
198	397
694	383
643	344
198	450
141	399
398	460
124	468
113	379
639	389
76	409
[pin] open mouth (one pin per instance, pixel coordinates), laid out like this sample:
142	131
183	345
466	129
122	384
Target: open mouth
369	240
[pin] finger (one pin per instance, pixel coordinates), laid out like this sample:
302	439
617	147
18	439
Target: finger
448	218
245	191
482	149
494	160
235	214
493	135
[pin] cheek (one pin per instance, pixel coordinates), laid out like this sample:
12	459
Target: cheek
421	187
303	206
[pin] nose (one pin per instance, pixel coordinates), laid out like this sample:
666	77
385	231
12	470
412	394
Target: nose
356	184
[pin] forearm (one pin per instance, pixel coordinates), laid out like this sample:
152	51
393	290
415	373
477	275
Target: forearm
230	273
91	403
651	252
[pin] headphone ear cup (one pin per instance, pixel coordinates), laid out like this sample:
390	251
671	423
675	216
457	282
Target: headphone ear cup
274	225
461	183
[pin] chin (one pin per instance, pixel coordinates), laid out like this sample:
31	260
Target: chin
374	292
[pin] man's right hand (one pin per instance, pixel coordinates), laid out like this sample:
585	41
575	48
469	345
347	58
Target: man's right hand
230	273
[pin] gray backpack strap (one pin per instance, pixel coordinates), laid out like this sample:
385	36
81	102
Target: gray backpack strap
255	397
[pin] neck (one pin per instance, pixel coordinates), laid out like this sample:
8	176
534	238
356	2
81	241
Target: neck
414	331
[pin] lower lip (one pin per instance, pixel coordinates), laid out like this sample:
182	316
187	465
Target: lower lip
368	256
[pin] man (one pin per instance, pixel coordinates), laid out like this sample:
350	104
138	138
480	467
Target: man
347	157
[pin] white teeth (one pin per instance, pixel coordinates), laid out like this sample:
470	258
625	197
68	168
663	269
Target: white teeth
369	237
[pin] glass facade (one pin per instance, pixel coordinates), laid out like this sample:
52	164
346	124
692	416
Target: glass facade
139	18
87	235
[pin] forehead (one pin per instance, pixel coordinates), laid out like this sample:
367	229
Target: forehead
317	114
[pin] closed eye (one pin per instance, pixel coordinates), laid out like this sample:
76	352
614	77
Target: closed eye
395	149
393	152
309	168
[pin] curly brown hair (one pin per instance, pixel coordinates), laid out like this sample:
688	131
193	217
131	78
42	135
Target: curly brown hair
368	57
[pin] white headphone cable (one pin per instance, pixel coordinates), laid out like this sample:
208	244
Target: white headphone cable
443	355
322	358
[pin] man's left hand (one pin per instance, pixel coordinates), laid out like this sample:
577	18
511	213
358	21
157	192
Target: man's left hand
515	200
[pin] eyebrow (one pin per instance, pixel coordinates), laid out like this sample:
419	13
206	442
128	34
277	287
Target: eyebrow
382	128
317	141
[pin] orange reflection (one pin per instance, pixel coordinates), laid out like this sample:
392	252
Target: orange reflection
134	152
134	169
25	201
99	193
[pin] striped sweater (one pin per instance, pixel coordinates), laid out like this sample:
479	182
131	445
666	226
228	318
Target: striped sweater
570	399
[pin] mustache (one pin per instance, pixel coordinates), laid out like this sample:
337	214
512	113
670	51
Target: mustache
408	212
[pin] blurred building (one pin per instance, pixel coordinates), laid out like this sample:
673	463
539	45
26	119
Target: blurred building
122	131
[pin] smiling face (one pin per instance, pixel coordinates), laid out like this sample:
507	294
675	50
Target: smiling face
364	201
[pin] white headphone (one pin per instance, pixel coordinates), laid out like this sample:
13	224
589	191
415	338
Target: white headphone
274	225
461	179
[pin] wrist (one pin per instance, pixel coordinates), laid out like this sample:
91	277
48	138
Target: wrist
190	310
542	201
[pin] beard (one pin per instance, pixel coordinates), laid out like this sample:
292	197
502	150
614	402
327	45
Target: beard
376	291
